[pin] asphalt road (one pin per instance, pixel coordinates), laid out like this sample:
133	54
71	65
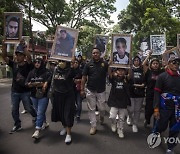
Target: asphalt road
104	142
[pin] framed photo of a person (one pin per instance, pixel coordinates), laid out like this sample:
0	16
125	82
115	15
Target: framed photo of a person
158	44
178	41
145	46
173	52
101	42
26	39
64	44
12	26
121	50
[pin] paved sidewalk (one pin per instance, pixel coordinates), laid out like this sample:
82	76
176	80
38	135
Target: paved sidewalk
4	80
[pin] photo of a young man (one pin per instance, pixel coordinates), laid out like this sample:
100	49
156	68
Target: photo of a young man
64	44
12	26
121	56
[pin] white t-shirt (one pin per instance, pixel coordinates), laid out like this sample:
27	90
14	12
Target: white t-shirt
118	60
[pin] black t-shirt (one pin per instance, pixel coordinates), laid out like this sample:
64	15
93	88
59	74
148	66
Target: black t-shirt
166	83
150	80
137	77
43	76
63	80
119	95
20	74
78	75
96	72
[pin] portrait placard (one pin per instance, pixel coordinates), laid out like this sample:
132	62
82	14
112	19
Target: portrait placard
121	50
26	39
158	44
174	52
64	44
178	41
101	42
12	27
145	46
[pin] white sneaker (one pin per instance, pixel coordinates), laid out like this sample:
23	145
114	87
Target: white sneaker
36	134
169	151
68	139
96	113
63	132
113	127
128	121
121	133
45	125
134	129
23	112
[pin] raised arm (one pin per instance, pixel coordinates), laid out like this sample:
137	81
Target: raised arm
144	64
4	53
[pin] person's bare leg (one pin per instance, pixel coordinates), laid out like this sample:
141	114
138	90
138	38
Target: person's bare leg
68	129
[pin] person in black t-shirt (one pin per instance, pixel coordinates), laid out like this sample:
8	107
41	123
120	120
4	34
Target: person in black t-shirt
39	80
151	74
119	99
167	102
19	92
63	98
95	73
77	89
137	92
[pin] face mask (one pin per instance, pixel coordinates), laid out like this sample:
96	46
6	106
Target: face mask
62	65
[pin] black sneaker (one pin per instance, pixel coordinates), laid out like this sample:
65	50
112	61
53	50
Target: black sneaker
15	129
77	119
146	123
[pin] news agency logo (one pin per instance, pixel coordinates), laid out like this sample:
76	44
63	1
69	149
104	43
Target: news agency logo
154	140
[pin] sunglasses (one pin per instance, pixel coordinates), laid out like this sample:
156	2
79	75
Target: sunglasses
175	62
39	62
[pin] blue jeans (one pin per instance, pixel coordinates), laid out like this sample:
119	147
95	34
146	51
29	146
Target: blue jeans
40	106
78	104
16	98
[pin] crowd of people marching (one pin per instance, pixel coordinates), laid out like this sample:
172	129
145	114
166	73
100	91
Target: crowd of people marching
65	84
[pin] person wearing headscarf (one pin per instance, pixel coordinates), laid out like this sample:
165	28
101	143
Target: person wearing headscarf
64	98
39	80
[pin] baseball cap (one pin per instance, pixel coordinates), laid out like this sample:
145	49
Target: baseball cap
20	49
173	59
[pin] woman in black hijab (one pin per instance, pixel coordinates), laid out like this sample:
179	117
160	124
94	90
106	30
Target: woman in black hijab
38	80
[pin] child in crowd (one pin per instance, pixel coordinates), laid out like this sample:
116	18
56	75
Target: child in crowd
121	56
119	99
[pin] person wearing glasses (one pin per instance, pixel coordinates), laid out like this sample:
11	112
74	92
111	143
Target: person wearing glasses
39	82
167	101
121	56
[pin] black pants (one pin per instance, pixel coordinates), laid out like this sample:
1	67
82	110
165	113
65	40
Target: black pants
149	110
167	117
